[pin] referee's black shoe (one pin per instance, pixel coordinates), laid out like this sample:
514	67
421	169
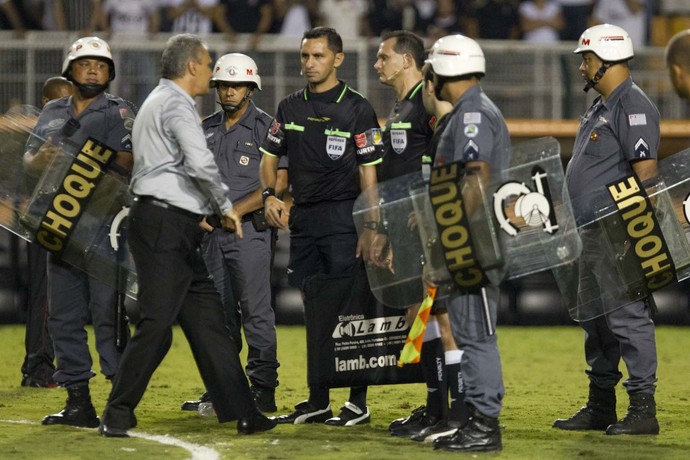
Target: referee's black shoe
482	433
414	417
414	428
435	431
305	412
78	411
193	406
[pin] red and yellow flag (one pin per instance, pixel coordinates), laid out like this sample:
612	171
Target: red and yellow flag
413	343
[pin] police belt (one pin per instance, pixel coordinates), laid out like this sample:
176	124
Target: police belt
250	216
145	199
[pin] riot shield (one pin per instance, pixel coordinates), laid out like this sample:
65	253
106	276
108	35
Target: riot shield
635	240
74	208
538	229
466	236
400	285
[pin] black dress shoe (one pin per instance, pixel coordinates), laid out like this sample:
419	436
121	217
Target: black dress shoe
255	424
112	432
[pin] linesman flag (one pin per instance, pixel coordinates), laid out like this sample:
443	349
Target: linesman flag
413	343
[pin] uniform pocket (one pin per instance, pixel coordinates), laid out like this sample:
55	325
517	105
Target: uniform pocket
602	143
246	162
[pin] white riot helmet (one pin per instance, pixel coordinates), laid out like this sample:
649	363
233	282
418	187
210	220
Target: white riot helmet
456	55
610	43
236	68
88	47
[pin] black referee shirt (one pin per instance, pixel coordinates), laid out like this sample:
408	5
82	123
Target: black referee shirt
406	136
326	137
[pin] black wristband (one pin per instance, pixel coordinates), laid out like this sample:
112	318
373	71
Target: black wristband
268	191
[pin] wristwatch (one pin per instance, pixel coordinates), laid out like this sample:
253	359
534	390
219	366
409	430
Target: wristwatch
371	225
268	191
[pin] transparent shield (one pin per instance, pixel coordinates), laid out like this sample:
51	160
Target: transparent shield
518	224
535	217
631	246
72	207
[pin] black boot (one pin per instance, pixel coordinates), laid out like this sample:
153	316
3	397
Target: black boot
598	414
641	416
264	398
481	433
77	412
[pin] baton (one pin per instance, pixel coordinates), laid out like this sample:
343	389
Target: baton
490	330
118	243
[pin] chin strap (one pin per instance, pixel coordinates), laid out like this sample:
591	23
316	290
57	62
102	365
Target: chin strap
230	109
600	73
89	91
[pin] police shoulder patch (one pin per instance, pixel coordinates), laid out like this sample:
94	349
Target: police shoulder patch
471	130
637	119
471	150
472	117
642	149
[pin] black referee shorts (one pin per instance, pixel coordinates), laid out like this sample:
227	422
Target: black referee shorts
323	239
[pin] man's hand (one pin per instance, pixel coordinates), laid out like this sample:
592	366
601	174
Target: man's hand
206	226
364	244
231	222
426	278
380	254
277	212
36	162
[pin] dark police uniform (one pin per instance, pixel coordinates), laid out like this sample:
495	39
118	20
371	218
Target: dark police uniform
406	136
326	137
241	267
476	131
75	296
613	134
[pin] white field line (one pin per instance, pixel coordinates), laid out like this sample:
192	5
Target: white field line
197	451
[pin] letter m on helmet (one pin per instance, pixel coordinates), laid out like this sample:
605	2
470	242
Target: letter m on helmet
585	42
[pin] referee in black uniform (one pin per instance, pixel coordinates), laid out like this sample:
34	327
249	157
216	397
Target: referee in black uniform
331	137
407	138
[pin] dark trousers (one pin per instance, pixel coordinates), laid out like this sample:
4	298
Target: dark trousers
174	284
74	298
37	341
241	269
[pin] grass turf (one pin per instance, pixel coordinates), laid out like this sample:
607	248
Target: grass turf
543	372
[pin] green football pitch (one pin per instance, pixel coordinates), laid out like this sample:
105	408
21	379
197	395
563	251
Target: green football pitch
544	377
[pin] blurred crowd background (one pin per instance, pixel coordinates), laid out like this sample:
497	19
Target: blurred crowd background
648	21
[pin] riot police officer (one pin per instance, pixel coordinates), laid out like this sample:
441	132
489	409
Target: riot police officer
74	296
477	136
618	136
